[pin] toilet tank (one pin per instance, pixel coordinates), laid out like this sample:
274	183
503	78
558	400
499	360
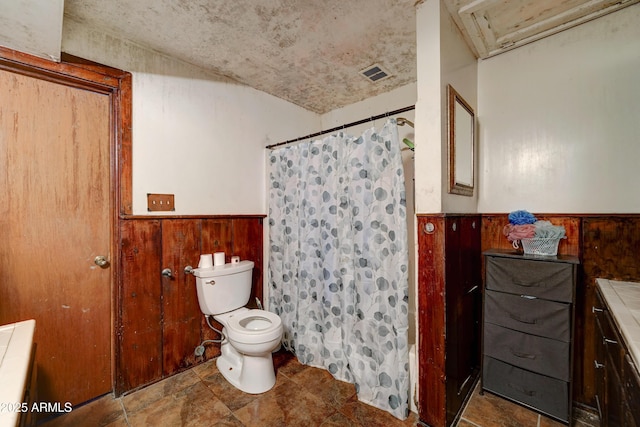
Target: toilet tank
224	288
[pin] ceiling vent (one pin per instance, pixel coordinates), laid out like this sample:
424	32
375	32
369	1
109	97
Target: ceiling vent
375	73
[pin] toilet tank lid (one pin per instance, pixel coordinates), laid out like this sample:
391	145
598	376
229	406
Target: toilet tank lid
223	270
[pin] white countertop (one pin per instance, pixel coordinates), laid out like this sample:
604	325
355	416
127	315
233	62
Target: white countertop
623	300
16	342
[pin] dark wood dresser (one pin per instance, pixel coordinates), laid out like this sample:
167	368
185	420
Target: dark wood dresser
527	337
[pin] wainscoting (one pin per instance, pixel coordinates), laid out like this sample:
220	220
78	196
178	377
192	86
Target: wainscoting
449	303
158	320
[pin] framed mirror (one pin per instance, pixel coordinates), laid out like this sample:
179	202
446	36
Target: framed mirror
461	135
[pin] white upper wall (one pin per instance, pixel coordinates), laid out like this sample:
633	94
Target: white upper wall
404	96
195	134
559	121
459	68
428	155
443	58
32	26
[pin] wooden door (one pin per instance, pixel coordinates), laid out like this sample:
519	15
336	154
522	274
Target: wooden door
55	219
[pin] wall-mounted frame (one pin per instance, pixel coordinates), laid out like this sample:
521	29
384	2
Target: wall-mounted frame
461	137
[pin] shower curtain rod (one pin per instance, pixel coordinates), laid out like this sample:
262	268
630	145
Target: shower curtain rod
347	125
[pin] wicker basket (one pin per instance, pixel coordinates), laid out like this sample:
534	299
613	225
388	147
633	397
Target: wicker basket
540	246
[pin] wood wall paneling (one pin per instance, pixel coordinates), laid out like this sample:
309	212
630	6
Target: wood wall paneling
161	319
611	247
247	244
610	250
494	238
463	306
449	304
180	310
216	237
140	323
454	276
431	318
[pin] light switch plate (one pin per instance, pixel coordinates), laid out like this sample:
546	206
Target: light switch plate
160	202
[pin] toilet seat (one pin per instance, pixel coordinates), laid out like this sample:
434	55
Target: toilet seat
254	326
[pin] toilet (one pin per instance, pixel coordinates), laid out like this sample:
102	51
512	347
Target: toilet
249	336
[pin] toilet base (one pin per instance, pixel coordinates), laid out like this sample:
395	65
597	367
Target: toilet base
250	374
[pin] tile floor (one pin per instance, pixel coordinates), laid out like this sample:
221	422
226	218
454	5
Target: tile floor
488	410
302	396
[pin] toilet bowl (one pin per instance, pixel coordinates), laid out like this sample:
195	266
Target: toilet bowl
253	332
249	336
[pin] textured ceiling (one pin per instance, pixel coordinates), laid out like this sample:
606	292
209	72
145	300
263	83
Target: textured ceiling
308	52
311	52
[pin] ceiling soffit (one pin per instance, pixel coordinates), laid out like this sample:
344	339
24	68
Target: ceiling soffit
495	26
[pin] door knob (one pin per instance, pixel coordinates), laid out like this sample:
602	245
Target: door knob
101	261
167	272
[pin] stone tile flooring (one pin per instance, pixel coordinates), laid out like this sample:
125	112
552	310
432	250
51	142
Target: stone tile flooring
302	396
488	410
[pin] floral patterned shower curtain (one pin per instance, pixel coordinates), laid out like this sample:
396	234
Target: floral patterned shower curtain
338	265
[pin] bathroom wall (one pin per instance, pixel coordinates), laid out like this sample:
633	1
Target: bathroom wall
443	58
558	121
197	135
459	68
429	109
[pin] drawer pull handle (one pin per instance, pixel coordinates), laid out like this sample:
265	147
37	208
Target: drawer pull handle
522	389
522	355
522	320
608	341
472	289
598	365
528	297
596	310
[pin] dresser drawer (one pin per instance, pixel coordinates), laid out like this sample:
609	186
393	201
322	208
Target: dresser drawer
549	395
548	280
535	316
538	354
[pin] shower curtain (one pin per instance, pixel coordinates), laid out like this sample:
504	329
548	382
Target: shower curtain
338	265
